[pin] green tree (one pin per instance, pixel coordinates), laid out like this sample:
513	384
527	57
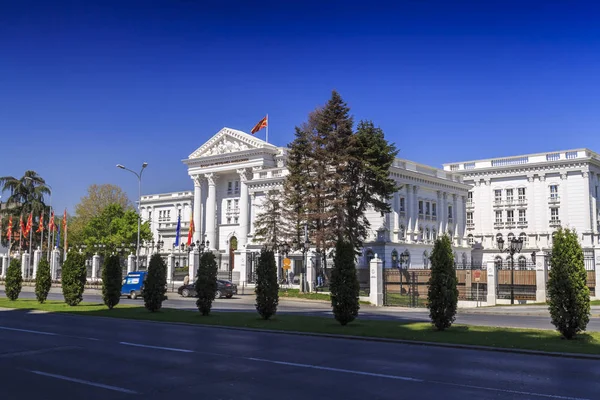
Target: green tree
112	279
14	280
569	295
267	289
156	284
74	276
206	284
43	280
442	294
344	284
268	224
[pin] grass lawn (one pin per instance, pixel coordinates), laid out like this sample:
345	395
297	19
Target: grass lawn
595	302
296	294
395	299
530	339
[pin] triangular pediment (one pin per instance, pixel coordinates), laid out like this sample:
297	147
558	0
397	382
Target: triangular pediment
229	140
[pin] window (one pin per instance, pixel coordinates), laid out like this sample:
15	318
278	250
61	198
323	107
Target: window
420	206
449	213
402	232
469	197
498	195
427	234
509	195
427	205
237	186
498	217
510	216
554	192
522	262
179	212
228	205
521	194
236	205
522	216
229	187
433	234
150	216
554	214
235	220
433	209
228	220
523	237
510	238
471	240
402	204
469	218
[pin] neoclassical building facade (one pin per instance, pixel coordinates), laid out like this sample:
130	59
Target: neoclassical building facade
233	171
530	196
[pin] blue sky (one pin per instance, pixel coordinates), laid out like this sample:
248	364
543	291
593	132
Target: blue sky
87	84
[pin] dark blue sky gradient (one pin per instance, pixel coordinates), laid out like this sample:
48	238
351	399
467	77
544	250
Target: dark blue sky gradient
87	84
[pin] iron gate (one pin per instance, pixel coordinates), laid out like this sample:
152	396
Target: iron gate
405	288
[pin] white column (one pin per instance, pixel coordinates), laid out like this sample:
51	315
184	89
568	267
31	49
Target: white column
24	264
540	277
130	262
409	214
491	283
416	212
193	263
439	215
4	265
55	263
95	266
244	220
443	214
376	282
455	216
462	221
37	255
197	208
252	213
597	261
170	265
211	203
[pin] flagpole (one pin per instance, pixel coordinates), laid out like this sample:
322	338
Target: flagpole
267	136
30	240
42	238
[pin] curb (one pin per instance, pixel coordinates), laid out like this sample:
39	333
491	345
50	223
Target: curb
580	356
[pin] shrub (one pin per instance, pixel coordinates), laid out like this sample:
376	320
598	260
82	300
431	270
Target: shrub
14	280
267	288
344	286
112	279
155	286
569	296
206	284
74	275
43	280
442	295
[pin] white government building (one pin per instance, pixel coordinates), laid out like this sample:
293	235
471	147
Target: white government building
233	171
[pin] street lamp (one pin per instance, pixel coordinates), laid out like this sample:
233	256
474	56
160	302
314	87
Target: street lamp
139	176
404	257
515	246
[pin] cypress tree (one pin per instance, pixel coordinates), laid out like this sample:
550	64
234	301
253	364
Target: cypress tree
74	276
267	288
14	280
442	295
155	286
43	281
206	284
344	285
112	279
569	296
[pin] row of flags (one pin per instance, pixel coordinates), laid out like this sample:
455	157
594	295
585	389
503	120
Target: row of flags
25	229
191	231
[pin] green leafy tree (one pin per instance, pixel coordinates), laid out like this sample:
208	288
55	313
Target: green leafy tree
112	279
442	294
43	280
569	295
14	280
344	285
156	284
268	224
267	288
206	284
74	275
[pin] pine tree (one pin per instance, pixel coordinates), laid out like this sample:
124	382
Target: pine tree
43	280
74	276
344	284
268	224
206	284
14	280
442	295
155	286
569	296
112	280
267	289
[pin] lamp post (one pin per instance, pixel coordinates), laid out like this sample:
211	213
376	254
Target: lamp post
403	260
515	246
139	176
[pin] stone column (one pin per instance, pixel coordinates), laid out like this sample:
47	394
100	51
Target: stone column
444	214
37	255
416	213
409	217
130	262
311	276
24	264
597	260
540	277
4	265
54	263
439	216
193	263
197	208
95	266
252	213
455	219
243	221
170	264
376	281
211	209
491	283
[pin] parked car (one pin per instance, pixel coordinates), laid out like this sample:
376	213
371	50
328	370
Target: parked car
133	284
224	289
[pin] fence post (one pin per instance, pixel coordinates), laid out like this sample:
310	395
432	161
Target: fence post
540	277
597	272
130	261
55	263
376	282
491	283
170	263
24	264
95	266
4	265
37	255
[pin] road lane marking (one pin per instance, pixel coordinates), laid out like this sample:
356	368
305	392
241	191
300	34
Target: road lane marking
346	371
548	396
29	331
157	347
35	352
83	382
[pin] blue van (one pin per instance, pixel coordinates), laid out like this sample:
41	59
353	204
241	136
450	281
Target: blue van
133	284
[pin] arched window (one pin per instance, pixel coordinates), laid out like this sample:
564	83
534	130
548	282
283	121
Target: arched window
395	258
471	240
523	237
425	259
498	236
464	260
510	238
433	234
522	262
498	262
427	234
402	232
369	256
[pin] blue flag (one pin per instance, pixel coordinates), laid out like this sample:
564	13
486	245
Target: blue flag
58	235
178	230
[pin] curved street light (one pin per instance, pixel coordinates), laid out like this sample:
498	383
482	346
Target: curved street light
139	176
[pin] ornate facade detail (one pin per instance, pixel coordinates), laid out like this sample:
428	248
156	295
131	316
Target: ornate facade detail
243	172
224	146
197	180
211	178
563	176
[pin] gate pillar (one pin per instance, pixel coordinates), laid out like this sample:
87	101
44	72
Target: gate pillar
376	281
491	283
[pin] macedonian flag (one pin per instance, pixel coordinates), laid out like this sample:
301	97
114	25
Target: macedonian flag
263	123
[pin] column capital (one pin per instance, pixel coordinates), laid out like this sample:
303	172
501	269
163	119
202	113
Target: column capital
415	188
530	178
454	196
439	194
211	178
197	180
563	175
243	172
444	195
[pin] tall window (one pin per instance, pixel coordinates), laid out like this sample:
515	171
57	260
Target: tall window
469	218
237	186
471	240
522	262
521	194
554	192
449	213
236	204
509	195
522	216
554	214
433	209
510	216
523	237
420	206
402	204
498	195
469	197
229	187
427	205
498	217
228	205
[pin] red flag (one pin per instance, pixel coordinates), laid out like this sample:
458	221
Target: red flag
9	231
191	230
64	221
41	224
29	224
263	123
21	225
51	226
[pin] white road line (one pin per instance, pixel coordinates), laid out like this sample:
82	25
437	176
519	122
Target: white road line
346	371
28	331
35	352
100	385
157	347
548	396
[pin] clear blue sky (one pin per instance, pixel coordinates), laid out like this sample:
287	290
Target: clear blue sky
87	84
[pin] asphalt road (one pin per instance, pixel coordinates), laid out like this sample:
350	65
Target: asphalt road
53	356
506	318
